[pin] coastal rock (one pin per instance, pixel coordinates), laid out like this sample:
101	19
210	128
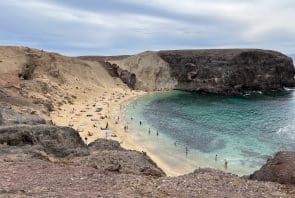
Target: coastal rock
38	178
103	144
151	172
151	71
58	141
11	117
221	71
108	155
281	169
126	76
64	145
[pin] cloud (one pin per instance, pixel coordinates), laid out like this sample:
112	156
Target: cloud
129	26
255	17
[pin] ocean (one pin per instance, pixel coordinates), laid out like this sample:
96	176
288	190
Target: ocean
187	130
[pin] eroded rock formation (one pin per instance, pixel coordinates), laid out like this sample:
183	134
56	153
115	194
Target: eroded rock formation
281	169
224	71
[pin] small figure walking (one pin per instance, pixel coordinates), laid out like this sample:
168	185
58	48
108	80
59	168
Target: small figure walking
186	151
157	133
175	143
149	131
225	164
216	157
140	123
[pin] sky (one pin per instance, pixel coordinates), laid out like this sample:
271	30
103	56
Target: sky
113	27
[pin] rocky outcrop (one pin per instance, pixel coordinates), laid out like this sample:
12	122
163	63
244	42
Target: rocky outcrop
151	71
64	145
11	117
38	178
115	71
281	169
230	71
57	141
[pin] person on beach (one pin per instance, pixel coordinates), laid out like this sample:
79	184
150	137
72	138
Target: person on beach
157	133
149	131
140	123
216	158
186	151
225	164
175	144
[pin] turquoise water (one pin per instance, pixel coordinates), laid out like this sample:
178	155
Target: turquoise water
193	128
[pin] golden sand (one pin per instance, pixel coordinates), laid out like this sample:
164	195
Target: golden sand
82	116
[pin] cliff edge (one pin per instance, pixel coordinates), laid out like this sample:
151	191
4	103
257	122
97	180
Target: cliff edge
220	71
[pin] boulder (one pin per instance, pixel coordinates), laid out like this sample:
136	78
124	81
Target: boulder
149	171
58	141
281	169
103	144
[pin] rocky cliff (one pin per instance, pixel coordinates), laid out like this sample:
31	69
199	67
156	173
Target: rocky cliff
281	168
222	71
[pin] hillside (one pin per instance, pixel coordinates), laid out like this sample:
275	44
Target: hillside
35	79
45	98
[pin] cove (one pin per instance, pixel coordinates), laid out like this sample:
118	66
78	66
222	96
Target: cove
186	130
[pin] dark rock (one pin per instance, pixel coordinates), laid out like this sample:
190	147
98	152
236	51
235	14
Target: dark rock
151	172
230	72
11	117
1	119
218	71
281	169
127	77
103	144
58	141
106	155
114	168
112	69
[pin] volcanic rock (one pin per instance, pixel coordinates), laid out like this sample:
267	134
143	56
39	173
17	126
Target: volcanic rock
281	169
58	141
221	71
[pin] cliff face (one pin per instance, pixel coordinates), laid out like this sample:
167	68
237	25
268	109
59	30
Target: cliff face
231	71
150	70
281	169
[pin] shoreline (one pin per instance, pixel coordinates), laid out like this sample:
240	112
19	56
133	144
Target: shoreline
127	139
114	104
132	140
76	116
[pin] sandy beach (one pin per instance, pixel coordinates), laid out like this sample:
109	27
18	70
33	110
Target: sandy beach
90	115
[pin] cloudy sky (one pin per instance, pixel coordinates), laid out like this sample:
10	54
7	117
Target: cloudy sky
110	27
